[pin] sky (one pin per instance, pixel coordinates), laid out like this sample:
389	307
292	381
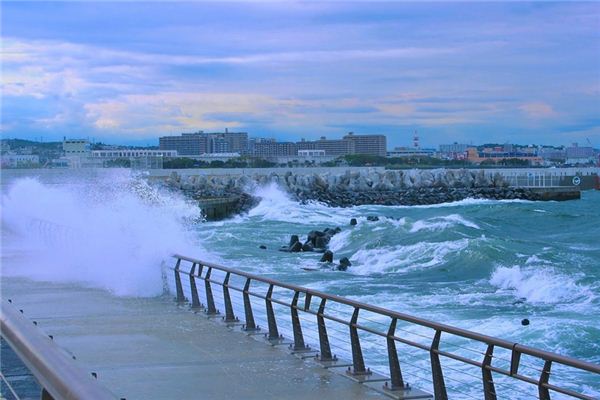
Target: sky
468	72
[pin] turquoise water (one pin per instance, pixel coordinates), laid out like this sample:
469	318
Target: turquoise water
476	264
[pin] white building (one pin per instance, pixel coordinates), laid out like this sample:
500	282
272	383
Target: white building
76	147
410	152
132	153
19	160
311	153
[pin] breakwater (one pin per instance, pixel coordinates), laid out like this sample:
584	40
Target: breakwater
376	186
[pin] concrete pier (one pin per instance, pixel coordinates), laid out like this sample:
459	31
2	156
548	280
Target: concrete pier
148	348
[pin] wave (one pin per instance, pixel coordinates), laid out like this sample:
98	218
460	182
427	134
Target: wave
276	205
111	233
540	284
406	258
441	223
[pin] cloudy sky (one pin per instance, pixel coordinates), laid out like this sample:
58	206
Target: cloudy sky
128	72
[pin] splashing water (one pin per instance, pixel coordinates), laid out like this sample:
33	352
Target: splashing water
112	234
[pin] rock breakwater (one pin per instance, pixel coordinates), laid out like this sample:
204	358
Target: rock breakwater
367	186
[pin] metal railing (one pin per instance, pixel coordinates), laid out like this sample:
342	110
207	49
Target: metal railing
498	362
56	373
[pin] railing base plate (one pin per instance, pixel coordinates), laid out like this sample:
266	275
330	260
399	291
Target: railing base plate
279	342
334	363
402	394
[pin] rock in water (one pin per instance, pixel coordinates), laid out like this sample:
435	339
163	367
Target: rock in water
293	240
296	247
373	218
262	246
525	322
344	264
327	257
307	247
321	242
353	222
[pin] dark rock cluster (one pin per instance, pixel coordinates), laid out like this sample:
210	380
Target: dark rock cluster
415	196
315	241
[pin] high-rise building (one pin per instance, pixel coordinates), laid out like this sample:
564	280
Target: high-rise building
259	147
367	144
198	143
187	144
349	144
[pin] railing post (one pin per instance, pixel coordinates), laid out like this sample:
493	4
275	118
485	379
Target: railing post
179	289
358	361
395	372
325	354
296	327
193	288
489	390
210	301
515	359
249	316
544	378
273	332
229	316
439	387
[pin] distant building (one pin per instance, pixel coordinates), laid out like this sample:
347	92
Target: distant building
311	153
217	157
552	155
335	147
454	151
132	153
349	144
19	160
198	143
187	144
367	144
76	147
579	155
265	148
410	152
4	146
497	154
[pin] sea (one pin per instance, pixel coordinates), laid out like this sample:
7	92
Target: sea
481	265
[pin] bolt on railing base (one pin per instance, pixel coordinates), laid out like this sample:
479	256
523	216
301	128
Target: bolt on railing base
404	393
252	331
278	341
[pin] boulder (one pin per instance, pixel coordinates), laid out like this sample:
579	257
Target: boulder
327	257
294	239
296	247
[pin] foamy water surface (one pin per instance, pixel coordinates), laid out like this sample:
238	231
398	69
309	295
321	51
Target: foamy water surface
477	264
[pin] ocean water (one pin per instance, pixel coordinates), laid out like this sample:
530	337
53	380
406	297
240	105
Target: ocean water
481	265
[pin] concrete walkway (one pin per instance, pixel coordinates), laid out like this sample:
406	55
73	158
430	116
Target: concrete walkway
152	349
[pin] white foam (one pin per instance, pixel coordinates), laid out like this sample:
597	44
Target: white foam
405	258
540	284
112	233
441	223
276	205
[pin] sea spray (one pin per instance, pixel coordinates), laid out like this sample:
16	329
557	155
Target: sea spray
113	233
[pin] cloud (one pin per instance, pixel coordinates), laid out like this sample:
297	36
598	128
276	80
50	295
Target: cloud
538	110
173	112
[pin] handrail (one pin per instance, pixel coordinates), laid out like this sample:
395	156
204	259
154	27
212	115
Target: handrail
516	349
55	372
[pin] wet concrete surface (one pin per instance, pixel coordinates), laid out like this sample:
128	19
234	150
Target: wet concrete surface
149	348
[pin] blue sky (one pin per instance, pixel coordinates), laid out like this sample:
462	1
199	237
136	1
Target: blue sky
475	72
